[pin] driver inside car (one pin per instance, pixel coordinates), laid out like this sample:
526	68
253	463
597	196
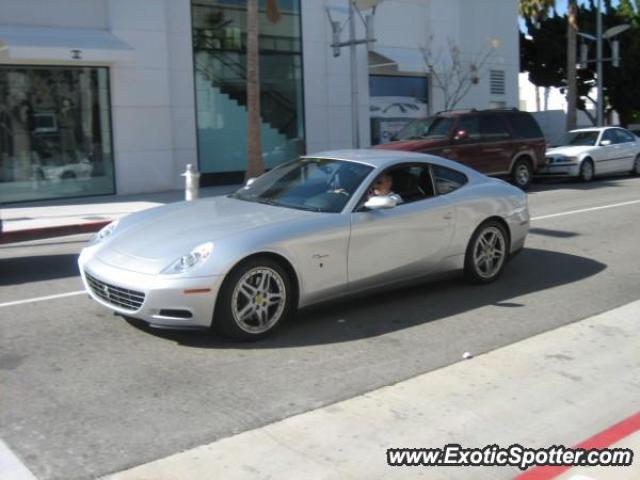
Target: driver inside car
383	186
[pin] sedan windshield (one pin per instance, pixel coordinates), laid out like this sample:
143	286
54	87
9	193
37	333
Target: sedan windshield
582	139
432	127
315	184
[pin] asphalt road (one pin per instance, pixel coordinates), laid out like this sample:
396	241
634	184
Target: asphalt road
84	393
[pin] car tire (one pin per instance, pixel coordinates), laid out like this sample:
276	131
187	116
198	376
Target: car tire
247	307
587	170
636	167
485	258
522	174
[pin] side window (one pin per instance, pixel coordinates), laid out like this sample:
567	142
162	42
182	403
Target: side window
492	128
524	125
624	136
411	183
471	125
447	180
609	135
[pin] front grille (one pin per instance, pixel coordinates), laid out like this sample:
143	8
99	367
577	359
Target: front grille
116	296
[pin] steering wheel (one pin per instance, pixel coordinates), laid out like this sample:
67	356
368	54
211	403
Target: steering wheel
340	191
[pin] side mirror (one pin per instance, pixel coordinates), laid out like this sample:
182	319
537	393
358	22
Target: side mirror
381	202
249	181
605	143
461	135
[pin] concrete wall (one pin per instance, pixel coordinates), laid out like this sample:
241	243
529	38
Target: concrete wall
153	98
54	13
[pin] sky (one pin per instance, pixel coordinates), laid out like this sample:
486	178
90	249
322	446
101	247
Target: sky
562	9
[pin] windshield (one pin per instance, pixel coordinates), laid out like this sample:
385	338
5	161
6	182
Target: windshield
314	184
582	139
432	127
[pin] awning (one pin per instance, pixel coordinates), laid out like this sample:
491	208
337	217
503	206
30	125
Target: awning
20	43
406	60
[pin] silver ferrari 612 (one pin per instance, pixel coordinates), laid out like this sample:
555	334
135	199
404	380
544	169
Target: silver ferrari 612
313	229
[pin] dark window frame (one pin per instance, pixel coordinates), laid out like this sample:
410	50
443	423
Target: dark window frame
435	186
429	166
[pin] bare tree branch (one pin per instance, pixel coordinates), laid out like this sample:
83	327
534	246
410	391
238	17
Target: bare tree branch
450	74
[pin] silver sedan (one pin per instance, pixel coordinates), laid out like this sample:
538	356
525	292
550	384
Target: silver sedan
594	151
310	230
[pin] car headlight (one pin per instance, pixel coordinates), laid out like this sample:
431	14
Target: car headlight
192	259
561	159
104	232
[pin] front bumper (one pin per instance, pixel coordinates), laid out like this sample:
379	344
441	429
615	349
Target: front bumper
559	170
163	302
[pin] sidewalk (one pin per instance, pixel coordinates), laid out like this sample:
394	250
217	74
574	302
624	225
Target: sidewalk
576	385
33	221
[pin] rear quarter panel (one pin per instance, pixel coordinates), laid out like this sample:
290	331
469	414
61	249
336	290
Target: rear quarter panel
477	202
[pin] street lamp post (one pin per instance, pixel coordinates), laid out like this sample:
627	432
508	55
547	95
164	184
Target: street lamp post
355	7
599	60
600	107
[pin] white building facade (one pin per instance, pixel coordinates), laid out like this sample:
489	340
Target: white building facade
118	96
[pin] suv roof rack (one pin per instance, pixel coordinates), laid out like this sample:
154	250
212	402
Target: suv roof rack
475	110
503	109
452	110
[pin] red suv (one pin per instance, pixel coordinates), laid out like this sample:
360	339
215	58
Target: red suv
505	143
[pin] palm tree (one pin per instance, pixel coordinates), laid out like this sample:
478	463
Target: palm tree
537	9
255	165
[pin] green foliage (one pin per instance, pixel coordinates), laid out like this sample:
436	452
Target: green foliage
536	9
544	56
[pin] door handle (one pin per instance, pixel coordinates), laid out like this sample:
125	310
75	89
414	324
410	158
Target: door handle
448	216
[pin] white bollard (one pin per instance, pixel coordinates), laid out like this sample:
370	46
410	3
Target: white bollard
191	183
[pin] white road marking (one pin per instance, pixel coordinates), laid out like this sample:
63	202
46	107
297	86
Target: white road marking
11	468
42	299
583	210
533	219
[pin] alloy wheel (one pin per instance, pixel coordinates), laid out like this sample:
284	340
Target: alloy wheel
258	300
586	171
489	252
523	176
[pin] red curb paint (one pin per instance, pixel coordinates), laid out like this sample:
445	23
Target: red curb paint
49	232
603	439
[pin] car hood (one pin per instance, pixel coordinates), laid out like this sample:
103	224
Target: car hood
413	145
149	241
569	151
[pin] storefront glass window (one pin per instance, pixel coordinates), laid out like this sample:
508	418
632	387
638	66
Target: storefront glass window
55	133
219	42
395	101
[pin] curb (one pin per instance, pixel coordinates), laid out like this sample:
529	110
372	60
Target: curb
50	232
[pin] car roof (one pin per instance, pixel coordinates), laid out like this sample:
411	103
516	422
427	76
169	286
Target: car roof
386	158
591	129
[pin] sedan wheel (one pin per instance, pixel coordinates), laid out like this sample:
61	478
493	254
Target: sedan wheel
487	253
522	174
254	300
586	171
